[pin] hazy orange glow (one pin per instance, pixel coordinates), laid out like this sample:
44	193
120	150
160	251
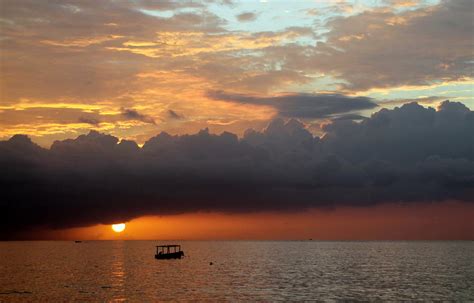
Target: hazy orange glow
449	220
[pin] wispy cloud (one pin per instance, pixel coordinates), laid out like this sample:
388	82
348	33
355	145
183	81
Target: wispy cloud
134	115
302	105
247	16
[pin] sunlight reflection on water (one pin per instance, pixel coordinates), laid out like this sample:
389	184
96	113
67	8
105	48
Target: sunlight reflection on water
118	272
243	270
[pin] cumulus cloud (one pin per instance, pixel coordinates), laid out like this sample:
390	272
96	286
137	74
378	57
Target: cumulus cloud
408	154
423	100
38	33
383	48
91	48
246	17
302	105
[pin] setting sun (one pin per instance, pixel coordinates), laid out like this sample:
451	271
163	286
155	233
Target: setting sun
118	228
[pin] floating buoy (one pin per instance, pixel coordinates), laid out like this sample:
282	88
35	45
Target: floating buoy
210	263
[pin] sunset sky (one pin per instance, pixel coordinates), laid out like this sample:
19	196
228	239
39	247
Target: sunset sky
309	109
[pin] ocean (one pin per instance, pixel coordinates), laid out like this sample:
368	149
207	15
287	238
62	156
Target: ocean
98	271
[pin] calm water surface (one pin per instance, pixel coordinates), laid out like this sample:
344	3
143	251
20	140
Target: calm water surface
253	270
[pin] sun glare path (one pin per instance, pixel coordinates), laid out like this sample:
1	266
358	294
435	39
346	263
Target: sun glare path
118	228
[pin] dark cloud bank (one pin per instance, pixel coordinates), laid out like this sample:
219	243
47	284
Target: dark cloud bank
408	154
302	105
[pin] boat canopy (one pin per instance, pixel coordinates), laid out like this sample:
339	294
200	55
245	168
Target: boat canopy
168	248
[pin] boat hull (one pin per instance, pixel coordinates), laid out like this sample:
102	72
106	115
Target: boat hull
176	255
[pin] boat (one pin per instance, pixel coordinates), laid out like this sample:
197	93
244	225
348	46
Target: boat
78	241
169	252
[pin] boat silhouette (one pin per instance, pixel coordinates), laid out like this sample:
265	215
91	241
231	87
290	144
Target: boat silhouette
169	252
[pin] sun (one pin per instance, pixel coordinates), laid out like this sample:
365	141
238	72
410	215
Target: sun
118	228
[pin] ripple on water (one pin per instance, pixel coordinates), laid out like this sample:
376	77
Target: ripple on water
253	270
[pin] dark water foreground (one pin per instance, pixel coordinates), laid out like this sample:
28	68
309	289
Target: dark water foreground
254	270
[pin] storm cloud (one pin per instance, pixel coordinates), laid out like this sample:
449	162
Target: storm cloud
408	154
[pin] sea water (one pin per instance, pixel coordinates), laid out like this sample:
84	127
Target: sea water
240	271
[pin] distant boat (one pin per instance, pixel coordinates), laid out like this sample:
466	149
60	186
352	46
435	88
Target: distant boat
169	252
78	241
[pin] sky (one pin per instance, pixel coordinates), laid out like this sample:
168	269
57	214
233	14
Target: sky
244	111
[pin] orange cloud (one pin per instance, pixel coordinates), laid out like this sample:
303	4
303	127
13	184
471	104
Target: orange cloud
176	44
